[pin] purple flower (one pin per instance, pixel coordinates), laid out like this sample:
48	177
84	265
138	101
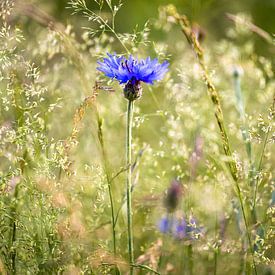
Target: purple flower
165	225
188	230
133	70
193	230
180	229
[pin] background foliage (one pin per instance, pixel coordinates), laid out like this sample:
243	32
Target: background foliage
55	107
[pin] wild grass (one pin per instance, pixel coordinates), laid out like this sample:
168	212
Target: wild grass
209	124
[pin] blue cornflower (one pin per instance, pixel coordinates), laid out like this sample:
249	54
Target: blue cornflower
189	230
193	230
180	229
165	225
133	71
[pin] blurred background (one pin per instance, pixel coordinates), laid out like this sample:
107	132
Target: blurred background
210	14
50	150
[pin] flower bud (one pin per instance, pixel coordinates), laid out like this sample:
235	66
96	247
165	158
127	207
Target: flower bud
132	90
173	195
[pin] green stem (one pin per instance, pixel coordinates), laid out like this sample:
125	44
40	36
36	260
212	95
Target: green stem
217	245
103	21
241	109
215	261
106	170
151	270
244	129
190	258
246	226
261	158
214	96
243	255
14	230
129	182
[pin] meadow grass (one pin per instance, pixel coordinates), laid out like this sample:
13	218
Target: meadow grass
199	168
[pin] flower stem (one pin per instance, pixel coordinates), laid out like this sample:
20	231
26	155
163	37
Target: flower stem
13	232
245	135
190	258
129	182
259	168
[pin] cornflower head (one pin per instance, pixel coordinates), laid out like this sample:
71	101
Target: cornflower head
180	228
165	224
132	72
187	230
193	230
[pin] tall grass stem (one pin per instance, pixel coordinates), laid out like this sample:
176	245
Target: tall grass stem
108	177
213	93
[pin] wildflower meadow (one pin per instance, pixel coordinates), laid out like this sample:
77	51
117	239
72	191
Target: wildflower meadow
137	137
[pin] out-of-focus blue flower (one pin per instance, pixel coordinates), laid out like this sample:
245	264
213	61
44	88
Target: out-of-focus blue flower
180	229
165	225
189	230
192	229
133	70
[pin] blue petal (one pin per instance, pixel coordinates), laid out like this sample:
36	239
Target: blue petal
164	225
124	70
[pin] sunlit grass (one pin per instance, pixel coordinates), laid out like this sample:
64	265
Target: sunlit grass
62	149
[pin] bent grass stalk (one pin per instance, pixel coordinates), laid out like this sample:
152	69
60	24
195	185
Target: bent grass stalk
14	220
261	157
78	117
13	231
244	129
193	41
81	6
108	177
130	110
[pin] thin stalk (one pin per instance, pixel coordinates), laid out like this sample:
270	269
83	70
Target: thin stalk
244	129
261	158
216	261
14	214
190	258
108	177
214	96
145	267
246	226
130	110
243	256
217	245
138	266
182	260
13	231
213	93
86	10
241	109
